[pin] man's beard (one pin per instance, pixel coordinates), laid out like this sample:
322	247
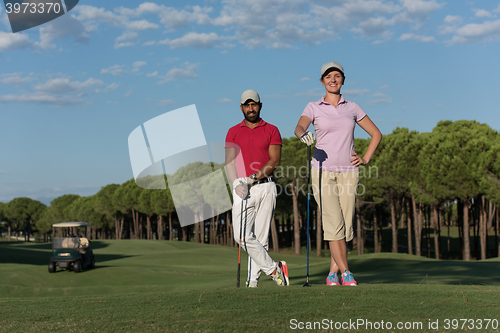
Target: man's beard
254	118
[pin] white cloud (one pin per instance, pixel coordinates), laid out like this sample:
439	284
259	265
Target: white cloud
125	40
165	102
187	72
113	86
374	26
128	94
64	27
380	101
452	19
448	30
170	17
355	92
97	14
373	18
483	13
42	99
15	79
10	41
312	93
470	33
224	101
418	38
280	23
116	70
378	95
120	45
155	73
305	79
144	8
3	171
174	19
59	91
421	7
139	63
65	86
283	35
353	13
275	24
141	25
127	35
193	39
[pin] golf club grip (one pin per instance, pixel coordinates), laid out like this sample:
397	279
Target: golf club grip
238	279
308	163
239	245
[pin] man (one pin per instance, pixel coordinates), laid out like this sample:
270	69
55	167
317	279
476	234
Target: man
253	151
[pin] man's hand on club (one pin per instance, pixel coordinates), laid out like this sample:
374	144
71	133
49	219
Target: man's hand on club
308	138
241	185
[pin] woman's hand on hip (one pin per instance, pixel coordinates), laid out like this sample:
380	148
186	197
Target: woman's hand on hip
357	160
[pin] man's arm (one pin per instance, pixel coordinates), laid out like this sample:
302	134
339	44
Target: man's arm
231	165
232	174
274	160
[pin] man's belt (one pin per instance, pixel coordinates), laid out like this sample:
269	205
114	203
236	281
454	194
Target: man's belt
264	180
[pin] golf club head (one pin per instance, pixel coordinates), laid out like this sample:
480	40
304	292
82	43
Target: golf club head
306	284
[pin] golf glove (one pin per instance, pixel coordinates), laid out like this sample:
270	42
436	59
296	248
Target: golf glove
308	138
243	181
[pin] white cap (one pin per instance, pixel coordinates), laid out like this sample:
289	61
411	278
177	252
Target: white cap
250	94
331	64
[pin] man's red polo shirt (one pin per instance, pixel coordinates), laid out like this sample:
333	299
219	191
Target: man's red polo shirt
253	145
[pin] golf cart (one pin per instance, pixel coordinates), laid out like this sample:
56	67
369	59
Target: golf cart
71	252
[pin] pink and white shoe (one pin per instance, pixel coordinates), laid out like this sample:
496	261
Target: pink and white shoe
332	279
348	279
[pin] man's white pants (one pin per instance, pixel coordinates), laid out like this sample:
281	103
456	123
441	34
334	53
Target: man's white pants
258	209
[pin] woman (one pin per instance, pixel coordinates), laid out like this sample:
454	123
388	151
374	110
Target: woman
335	164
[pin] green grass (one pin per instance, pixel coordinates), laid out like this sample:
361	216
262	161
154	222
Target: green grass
142	286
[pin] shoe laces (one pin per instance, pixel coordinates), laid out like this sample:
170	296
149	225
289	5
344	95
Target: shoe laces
332	277
347	276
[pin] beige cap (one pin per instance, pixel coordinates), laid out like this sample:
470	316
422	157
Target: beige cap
331	64
250	94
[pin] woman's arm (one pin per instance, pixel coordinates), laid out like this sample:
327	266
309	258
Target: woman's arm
302	126
367	124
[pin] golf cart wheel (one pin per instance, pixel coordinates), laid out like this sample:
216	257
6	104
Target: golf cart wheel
52	267
77	266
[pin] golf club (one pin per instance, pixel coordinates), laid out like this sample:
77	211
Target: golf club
308	198
239	247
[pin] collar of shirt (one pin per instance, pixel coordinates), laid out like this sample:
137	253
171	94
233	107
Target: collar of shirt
261	123
322	100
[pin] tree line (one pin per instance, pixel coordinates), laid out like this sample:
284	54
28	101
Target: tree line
418	184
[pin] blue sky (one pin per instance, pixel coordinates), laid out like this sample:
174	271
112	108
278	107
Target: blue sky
73	89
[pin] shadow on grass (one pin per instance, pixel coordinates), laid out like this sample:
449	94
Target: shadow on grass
39	254
406	270
83	271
